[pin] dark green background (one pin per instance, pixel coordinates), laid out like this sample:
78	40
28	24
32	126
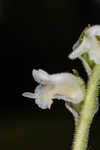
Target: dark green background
40	34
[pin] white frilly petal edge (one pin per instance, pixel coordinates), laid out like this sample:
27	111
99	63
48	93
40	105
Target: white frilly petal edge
29	95
41	76
42	99
38	101
79	50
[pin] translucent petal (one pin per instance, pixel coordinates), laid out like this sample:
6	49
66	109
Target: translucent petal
81	49
29	95
44	95
40	76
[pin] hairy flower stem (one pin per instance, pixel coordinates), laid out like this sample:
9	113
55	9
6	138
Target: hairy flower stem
87	113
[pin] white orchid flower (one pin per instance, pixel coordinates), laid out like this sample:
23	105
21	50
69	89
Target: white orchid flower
89	44
63	86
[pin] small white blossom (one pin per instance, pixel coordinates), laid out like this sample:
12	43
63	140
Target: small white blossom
89	44
63	86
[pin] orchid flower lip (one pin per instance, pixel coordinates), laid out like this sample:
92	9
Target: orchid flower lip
63	86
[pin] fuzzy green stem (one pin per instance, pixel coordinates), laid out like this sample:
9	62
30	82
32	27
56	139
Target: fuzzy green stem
87	113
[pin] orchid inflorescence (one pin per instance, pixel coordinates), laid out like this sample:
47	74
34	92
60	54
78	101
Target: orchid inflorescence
67	86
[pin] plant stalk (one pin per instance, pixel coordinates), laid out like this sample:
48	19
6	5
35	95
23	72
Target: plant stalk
87	113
